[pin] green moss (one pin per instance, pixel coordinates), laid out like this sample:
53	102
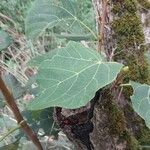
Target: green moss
133	144
144	3
124	6
117	124
117	119
129	37
138	68
128	31
144	136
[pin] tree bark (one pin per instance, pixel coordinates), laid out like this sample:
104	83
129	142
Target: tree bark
108	122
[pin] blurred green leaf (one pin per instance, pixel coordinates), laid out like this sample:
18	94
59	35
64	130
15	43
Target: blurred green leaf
5	40
63	14
2	104
15	10
42	119
141	101
148	57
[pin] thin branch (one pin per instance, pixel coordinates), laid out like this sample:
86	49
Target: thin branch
13	106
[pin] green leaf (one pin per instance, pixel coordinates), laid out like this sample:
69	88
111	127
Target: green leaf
46	14
148	57
2	104
141	101
70	77
5	40
75	37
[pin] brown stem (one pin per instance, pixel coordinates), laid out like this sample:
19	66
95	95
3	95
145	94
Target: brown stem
11	103
103	21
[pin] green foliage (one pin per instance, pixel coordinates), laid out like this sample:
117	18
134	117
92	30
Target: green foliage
15	10
42	119
148	57
88	15
67	77
70	76
2	104
63	14
141	101
5	40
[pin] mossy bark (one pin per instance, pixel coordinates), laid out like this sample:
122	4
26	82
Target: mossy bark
110	127
116	125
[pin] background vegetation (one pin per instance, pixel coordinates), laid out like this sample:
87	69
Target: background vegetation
17	50
15	53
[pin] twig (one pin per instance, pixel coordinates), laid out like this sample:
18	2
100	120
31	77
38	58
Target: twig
11	103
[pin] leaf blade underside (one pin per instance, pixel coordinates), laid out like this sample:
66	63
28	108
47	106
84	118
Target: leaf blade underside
71	77
141	101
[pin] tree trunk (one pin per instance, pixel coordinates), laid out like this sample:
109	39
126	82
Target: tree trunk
108	122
